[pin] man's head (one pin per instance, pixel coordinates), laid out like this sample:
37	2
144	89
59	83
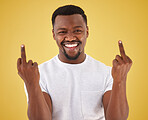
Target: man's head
70	31
68	10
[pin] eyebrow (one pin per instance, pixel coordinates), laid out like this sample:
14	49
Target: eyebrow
77	27
73	28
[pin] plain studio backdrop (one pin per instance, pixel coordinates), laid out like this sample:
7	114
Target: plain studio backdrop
29	22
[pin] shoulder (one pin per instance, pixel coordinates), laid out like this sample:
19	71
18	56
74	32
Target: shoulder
99	65
47	64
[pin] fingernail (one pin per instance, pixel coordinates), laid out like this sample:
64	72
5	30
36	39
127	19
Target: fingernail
22	45
120	41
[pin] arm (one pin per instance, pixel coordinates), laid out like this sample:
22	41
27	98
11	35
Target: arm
39	106
115	101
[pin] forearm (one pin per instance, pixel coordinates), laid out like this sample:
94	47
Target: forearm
37	106
118	106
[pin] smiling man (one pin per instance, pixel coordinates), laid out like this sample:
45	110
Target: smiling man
73	85
70	33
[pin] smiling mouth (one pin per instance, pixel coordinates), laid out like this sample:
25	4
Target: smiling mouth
71	45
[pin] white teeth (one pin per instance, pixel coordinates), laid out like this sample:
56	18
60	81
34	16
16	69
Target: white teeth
71	45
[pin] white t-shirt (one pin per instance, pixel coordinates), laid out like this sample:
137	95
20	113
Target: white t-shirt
76	90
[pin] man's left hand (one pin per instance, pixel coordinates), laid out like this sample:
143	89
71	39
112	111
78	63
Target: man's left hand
121	65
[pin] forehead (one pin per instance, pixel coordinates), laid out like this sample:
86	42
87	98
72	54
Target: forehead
69	21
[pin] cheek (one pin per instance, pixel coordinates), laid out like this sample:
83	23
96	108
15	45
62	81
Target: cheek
83	39
59	40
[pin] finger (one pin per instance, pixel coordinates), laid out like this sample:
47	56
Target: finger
122	51
18	63
35	64
119	59
30	62
23	54
130	61
115	62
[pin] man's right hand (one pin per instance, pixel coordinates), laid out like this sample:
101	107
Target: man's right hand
27	71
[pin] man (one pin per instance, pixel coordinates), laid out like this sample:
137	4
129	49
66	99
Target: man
73	85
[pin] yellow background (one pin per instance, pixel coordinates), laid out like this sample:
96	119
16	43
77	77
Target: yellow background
29	22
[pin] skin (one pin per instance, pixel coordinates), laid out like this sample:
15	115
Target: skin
72	29
68	29
39	106
115	101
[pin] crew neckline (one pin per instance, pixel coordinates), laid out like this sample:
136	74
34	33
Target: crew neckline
68	64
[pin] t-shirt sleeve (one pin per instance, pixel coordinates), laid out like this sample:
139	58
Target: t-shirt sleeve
43	84
109	80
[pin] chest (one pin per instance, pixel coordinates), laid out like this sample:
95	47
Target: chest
77	92
79	80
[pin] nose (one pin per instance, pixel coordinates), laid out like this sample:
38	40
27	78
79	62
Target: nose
70	37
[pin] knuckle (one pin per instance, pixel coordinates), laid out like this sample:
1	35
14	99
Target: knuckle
35	64
126	64
18	59
23	67
118	67
28	66
117	56
114	62
29	61
122	64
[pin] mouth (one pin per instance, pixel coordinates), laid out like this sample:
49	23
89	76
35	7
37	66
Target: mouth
71	45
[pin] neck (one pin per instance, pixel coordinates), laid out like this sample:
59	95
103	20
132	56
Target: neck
64	59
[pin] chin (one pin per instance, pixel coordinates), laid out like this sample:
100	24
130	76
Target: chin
72	57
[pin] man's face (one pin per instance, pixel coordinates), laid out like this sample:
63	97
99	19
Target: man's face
70	33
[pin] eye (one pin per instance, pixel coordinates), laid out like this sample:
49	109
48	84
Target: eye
78	31
62	32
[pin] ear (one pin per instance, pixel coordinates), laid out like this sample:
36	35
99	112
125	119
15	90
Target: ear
53	34
87	31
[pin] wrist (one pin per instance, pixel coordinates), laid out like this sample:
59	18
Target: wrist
120	79
32	86
119	86
119	83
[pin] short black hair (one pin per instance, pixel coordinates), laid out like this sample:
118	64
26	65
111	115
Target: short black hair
68	10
